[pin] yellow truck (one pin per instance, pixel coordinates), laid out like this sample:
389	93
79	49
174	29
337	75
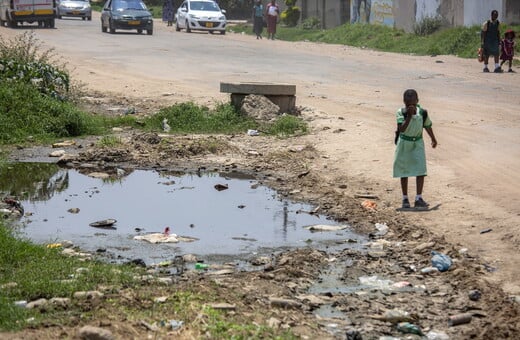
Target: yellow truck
16	12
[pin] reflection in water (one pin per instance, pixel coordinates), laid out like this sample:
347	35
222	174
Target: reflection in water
244	219
32	181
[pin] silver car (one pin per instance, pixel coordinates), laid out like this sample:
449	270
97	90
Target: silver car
74	8
200	15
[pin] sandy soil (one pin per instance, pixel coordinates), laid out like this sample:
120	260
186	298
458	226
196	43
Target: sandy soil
473	181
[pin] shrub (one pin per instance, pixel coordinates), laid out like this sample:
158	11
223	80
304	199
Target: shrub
23	59
427	26
311	23
47	79
292	14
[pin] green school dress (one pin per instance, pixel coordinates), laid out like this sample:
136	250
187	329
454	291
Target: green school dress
410	157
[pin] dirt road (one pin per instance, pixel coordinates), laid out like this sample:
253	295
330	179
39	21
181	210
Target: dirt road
473	174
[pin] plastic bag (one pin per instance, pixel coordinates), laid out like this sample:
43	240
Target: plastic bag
480	54
441	261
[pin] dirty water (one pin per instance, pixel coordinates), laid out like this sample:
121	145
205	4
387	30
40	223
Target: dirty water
246	219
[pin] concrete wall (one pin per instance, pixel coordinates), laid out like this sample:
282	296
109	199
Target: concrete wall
427	8
452	12
382	13
477	11
511	12
405	14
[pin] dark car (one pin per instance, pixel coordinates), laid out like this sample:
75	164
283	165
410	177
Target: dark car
126	15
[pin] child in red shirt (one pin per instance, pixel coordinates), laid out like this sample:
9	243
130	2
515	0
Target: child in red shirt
507	50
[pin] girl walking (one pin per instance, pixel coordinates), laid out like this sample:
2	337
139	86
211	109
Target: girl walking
508	49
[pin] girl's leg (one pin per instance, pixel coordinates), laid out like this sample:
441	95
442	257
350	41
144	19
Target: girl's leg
420	184
404	188
404	185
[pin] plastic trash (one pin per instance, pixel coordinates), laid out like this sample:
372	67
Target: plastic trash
21	303
441	261
407	327
199	265
435	335
375	282
175	324
474	295
382	229
354	335
429	270
459	319
253	133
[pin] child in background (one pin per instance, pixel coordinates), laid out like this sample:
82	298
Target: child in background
507	49
410	158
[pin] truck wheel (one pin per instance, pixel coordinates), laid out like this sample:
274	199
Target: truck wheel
188	29
149	32
89	18
103	28
111	26
139	31
51	23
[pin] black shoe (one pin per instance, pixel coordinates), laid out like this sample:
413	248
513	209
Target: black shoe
406	203
486	70
498	70
511	70
420	203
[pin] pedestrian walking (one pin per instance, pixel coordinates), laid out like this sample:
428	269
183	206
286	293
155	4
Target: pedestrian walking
272	13
258	18
490	41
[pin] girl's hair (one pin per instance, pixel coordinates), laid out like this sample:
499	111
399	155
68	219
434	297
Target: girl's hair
410	94
510	33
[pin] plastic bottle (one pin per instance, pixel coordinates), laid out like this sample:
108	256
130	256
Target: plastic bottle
407	327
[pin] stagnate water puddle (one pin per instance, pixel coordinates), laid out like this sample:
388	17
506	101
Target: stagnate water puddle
245	219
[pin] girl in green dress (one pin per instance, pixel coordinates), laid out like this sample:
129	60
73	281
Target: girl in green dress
410	158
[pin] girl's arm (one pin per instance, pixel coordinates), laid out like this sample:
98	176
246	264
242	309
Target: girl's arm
402	127
432	136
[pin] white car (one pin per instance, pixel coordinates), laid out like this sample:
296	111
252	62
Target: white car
74	8
200	15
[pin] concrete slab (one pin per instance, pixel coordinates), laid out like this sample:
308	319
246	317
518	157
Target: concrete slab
274	89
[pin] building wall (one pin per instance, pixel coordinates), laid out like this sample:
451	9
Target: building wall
404	14
511	12
453	12
477	11
382	13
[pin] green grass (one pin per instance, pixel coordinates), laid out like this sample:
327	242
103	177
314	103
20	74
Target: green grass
29	116
224	119
41	272
29	272
459	41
